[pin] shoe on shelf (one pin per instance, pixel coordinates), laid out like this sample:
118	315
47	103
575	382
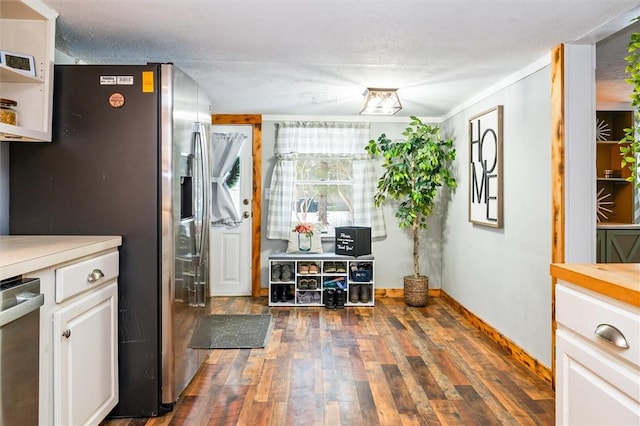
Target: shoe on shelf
312	284
341	268
303	268
276	272
285	275
313	268
329	267
302	284
365	293
354	293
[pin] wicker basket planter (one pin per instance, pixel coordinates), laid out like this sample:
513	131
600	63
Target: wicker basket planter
416	290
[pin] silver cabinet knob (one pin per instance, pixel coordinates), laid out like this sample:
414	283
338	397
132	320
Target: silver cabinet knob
95	275
246	215
66	333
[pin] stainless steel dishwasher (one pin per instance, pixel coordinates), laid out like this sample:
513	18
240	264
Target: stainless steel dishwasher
20	300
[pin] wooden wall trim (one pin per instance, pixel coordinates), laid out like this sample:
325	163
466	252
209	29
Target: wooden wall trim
379	292
236	119
505	343
557	182
557	155
256	207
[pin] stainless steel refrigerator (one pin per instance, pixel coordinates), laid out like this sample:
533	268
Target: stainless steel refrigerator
128	157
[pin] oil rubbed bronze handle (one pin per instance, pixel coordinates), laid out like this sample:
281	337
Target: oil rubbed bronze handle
612	335
95	275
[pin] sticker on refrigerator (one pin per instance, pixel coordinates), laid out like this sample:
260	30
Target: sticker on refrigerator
147	82
116	100
125	80
108	80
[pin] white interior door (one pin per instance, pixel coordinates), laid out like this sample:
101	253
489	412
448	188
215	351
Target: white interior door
230	248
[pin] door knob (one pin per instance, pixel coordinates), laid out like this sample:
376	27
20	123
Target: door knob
246	215
245	201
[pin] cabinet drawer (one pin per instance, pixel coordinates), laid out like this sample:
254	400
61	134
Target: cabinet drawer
86	275
593	388
584	313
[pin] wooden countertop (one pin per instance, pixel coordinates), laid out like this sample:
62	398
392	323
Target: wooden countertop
620	281
609	225
21	254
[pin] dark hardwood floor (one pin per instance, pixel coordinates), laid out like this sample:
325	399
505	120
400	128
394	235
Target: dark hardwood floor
387	365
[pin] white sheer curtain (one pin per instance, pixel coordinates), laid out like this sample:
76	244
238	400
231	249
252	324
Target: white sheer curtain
342	139
224	152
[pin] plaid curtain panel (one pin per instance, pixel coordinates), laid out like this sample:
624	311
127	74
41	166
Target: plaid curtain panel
340	139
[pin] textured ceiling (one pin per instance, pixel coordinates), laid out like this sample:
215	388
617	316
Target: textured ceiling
612	89
309	57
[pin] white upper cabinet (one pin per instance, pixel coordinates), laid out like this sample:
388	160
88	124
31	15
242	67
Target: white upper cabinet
27	35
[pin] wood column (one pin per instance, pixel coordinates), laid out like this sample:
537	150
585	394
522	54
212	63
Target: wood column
557	182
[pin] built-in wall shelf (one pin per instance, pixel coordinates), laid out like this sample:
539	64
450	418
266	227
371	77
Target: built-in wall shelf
615	194
27	27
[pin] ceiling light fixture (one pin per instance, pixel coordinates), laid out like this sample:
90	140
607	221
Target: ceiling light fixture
381	102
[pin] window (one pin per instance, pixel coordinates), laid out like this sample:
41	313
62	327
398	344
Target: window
324	176
323	192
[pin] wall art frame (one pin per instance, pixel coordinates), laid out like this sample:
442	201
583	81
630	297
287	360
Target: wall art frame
485	168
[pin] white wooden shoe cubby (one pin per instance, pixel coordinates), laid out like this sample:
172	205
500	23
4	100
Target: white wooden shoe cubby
300	279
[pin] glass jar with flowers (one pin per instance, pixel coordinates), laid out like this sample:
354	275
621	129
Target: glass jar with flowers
305	232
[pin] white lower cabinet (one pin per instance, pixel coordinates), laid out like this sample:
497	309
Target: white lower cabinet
85	358
79	340
597	359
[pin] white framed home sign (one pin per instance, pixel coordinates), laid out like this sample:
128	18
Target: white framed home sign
485	168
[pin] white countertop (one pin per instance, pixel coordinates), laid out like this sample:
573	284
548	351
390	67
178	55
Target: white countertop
21	254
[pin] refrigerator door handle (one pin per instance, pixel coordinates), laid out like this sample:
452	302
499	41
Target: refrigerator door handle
200	136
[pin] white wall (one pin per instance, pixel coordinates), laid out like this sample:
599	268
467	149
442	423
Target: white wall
502	275
394	253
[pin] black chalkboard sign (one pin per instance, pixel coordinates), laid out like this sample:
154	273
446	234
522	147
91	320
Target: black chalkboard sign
353	240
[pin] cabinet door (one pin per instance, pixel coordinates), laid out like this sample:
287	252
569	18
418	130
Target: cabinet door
85	358
622	245
601	253
592	387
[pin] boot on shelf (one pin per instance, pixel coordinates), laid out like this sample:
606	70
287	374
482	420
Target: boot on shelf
330	298
354	293
365	293
276	293
287	294
341	298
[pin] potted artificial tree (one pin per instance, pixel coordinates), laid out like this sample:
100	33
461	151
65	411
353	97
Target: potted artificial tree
630	144
414	170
